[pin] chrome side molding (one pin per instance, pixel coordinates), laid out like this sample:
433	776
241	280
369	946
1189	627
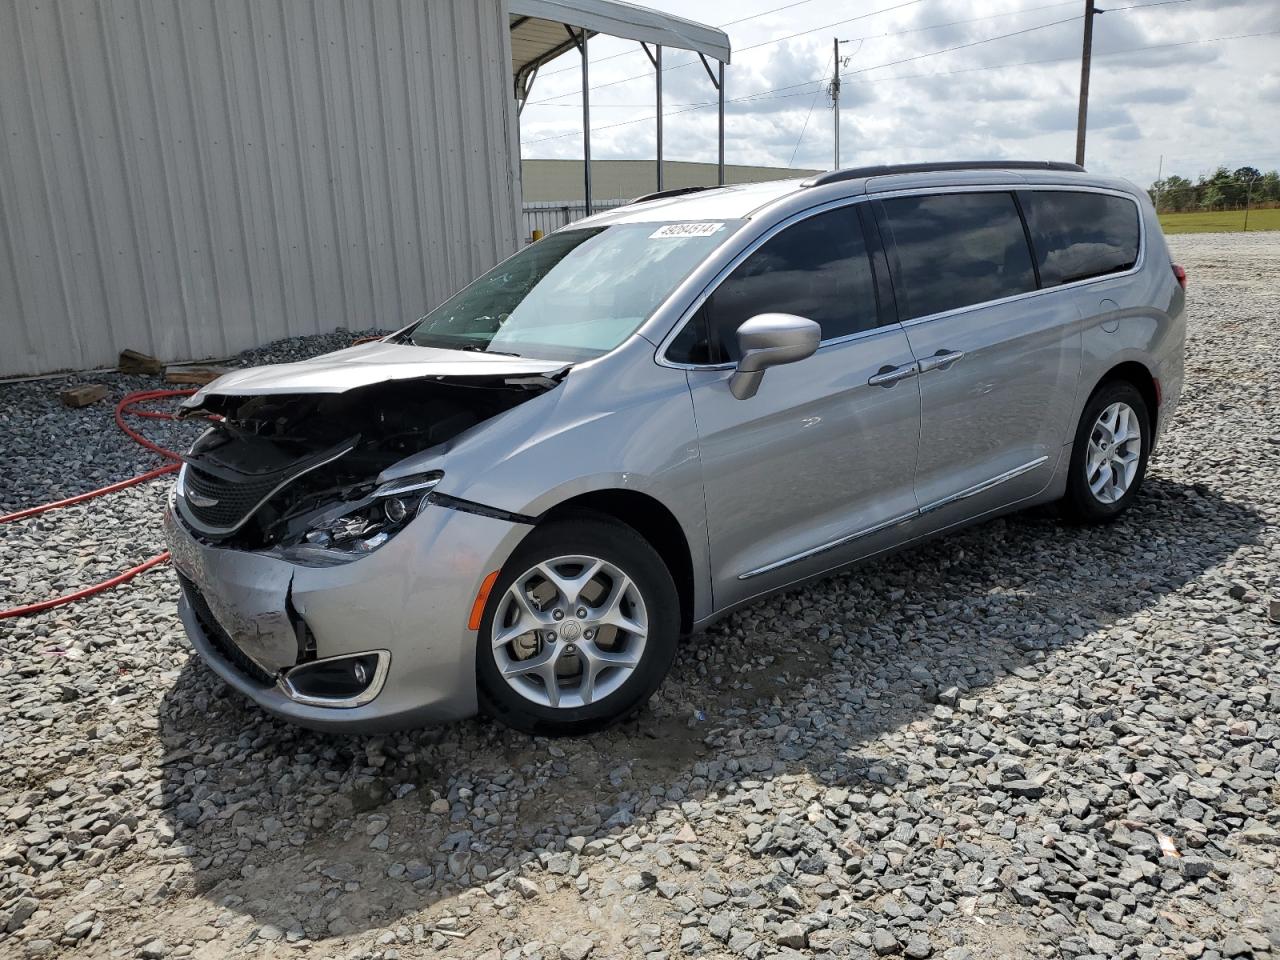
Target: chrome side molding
832	545
964	494
985	485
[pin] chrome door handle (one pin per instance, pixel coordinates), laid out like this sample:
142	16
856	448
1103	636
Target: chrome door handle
940	360
888	376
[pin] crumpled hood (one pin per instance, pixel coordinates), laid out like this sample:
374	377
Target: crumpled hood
366	364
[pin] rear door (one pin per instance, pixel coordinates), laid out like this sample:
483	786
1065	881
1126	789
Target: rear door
816	469
999	359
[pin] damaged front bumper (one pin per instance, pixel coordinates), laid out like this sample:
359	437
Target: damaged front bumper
257	619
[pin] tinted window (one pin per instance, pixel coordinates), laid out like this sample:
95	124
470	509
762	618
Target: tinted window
957	249
1080	235
817	268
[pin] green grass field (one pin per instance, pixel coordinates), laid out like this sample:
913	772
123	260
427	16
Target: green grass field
1226	221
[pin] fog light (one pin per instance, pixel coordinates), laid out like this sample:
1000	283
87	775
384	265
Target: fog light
338	681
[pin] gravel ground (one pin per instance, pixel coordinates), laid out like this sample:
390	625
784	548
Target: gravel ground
1024	741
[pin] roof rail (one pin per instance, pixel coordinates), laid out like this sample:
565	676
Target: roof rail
888	169
675	192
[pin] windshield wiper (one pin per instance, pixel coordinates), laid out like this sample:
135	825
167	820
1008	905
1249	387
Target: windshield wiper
476	348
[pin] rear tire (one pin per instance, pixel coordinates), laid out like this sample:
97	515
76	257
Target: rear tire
1109	455
576	653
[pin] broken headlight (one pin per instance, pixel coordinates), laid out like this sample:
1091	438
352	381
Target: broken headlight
364	526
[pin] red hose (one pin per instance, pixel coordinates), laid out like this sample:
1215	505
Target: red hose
87	591
125	406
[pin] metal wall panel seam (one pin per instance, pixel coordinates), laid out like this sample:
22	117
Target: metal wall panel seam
104	294
206	208
46	193
151	45
237	179
295	168
434	13
332	168
260	110
427	242
395	212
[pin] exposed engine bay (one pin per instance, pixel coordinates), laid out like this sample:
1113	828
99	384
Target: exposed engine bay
301	468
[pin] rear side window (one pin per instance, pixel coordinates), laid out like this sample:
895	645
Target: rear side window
818	269
1080	235
955	250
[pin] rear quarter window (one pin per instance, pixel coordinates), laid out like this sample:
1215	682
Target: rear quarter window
1078	235
955	250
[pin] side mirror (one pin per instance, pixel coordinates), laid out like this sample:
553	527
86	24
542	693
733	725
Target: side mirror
768	340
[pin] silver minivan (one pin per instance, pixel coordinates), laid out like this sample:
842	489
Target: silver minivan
521	502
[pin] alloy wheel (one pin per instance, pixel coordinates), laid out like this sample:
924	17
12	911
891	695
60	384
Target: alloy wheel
569	631
1115	450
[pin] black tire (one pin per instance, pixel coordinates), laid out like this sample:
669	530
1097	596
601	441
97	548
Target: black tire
615	543
1080	504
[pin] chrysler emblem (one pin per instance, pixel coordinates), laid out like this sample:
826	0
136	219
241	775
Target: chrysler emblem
201	501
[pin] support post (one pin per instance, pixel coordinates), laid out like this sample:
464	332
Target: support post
717	78
720	87
586	118
1085	56
658	82
655	58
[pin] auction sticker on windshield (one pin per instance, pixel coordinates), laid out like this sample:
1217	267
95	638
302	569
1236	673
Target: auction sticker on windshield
673	230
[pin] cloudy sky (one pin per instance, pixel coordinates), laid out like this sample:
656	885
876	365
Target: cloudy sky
940	79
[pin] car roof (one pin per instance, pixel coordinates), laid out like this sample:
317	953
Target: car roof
743	201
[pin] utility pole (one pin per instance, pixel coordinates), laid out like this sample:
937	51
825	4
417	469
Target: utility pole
1248	199
835	94
1082	118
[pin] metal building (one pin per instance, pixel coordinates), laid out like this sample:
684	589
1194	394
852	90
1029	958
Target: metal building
190	178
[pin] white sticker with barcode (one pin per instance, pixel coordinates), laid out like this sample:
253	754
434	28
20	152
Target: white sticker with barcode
676	230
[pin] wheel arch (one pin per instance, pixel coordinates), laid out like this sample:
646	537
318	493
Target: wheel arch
654	522
1140	376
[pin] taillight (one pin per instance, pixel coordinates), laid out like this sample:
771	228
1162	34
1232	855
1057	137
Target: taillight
1180	275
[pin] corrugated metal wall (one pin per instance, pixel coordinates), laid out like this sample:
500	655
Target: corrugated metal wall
193	177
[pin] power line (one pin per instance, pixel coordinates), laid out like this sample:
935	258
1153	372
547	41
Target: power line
920	76
754	46
878	36
974	43
805	126
548	101
932	53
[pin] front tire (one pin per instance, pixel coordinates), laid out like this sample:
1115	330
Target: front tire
1109	455
579	629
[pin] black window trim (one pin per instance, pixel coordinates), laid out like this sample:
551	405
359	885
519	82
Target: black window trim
1010	188
879	283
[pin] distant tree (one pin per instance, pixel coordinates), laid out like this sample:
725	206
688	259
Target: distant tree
1269	186
1222	190
1173	193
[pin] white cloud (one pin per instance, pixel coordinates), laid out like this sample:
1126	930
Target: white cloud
1197	104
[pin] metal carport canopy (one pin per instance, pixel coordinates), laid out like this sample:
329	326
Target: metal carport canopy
542	30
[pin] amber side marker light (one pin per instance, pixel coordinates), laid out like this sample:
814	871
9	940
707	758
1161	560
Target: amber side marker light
477	608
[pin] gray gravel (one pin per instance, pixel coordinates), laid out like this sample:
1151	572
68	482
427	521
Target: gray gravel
51	452
1024	741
